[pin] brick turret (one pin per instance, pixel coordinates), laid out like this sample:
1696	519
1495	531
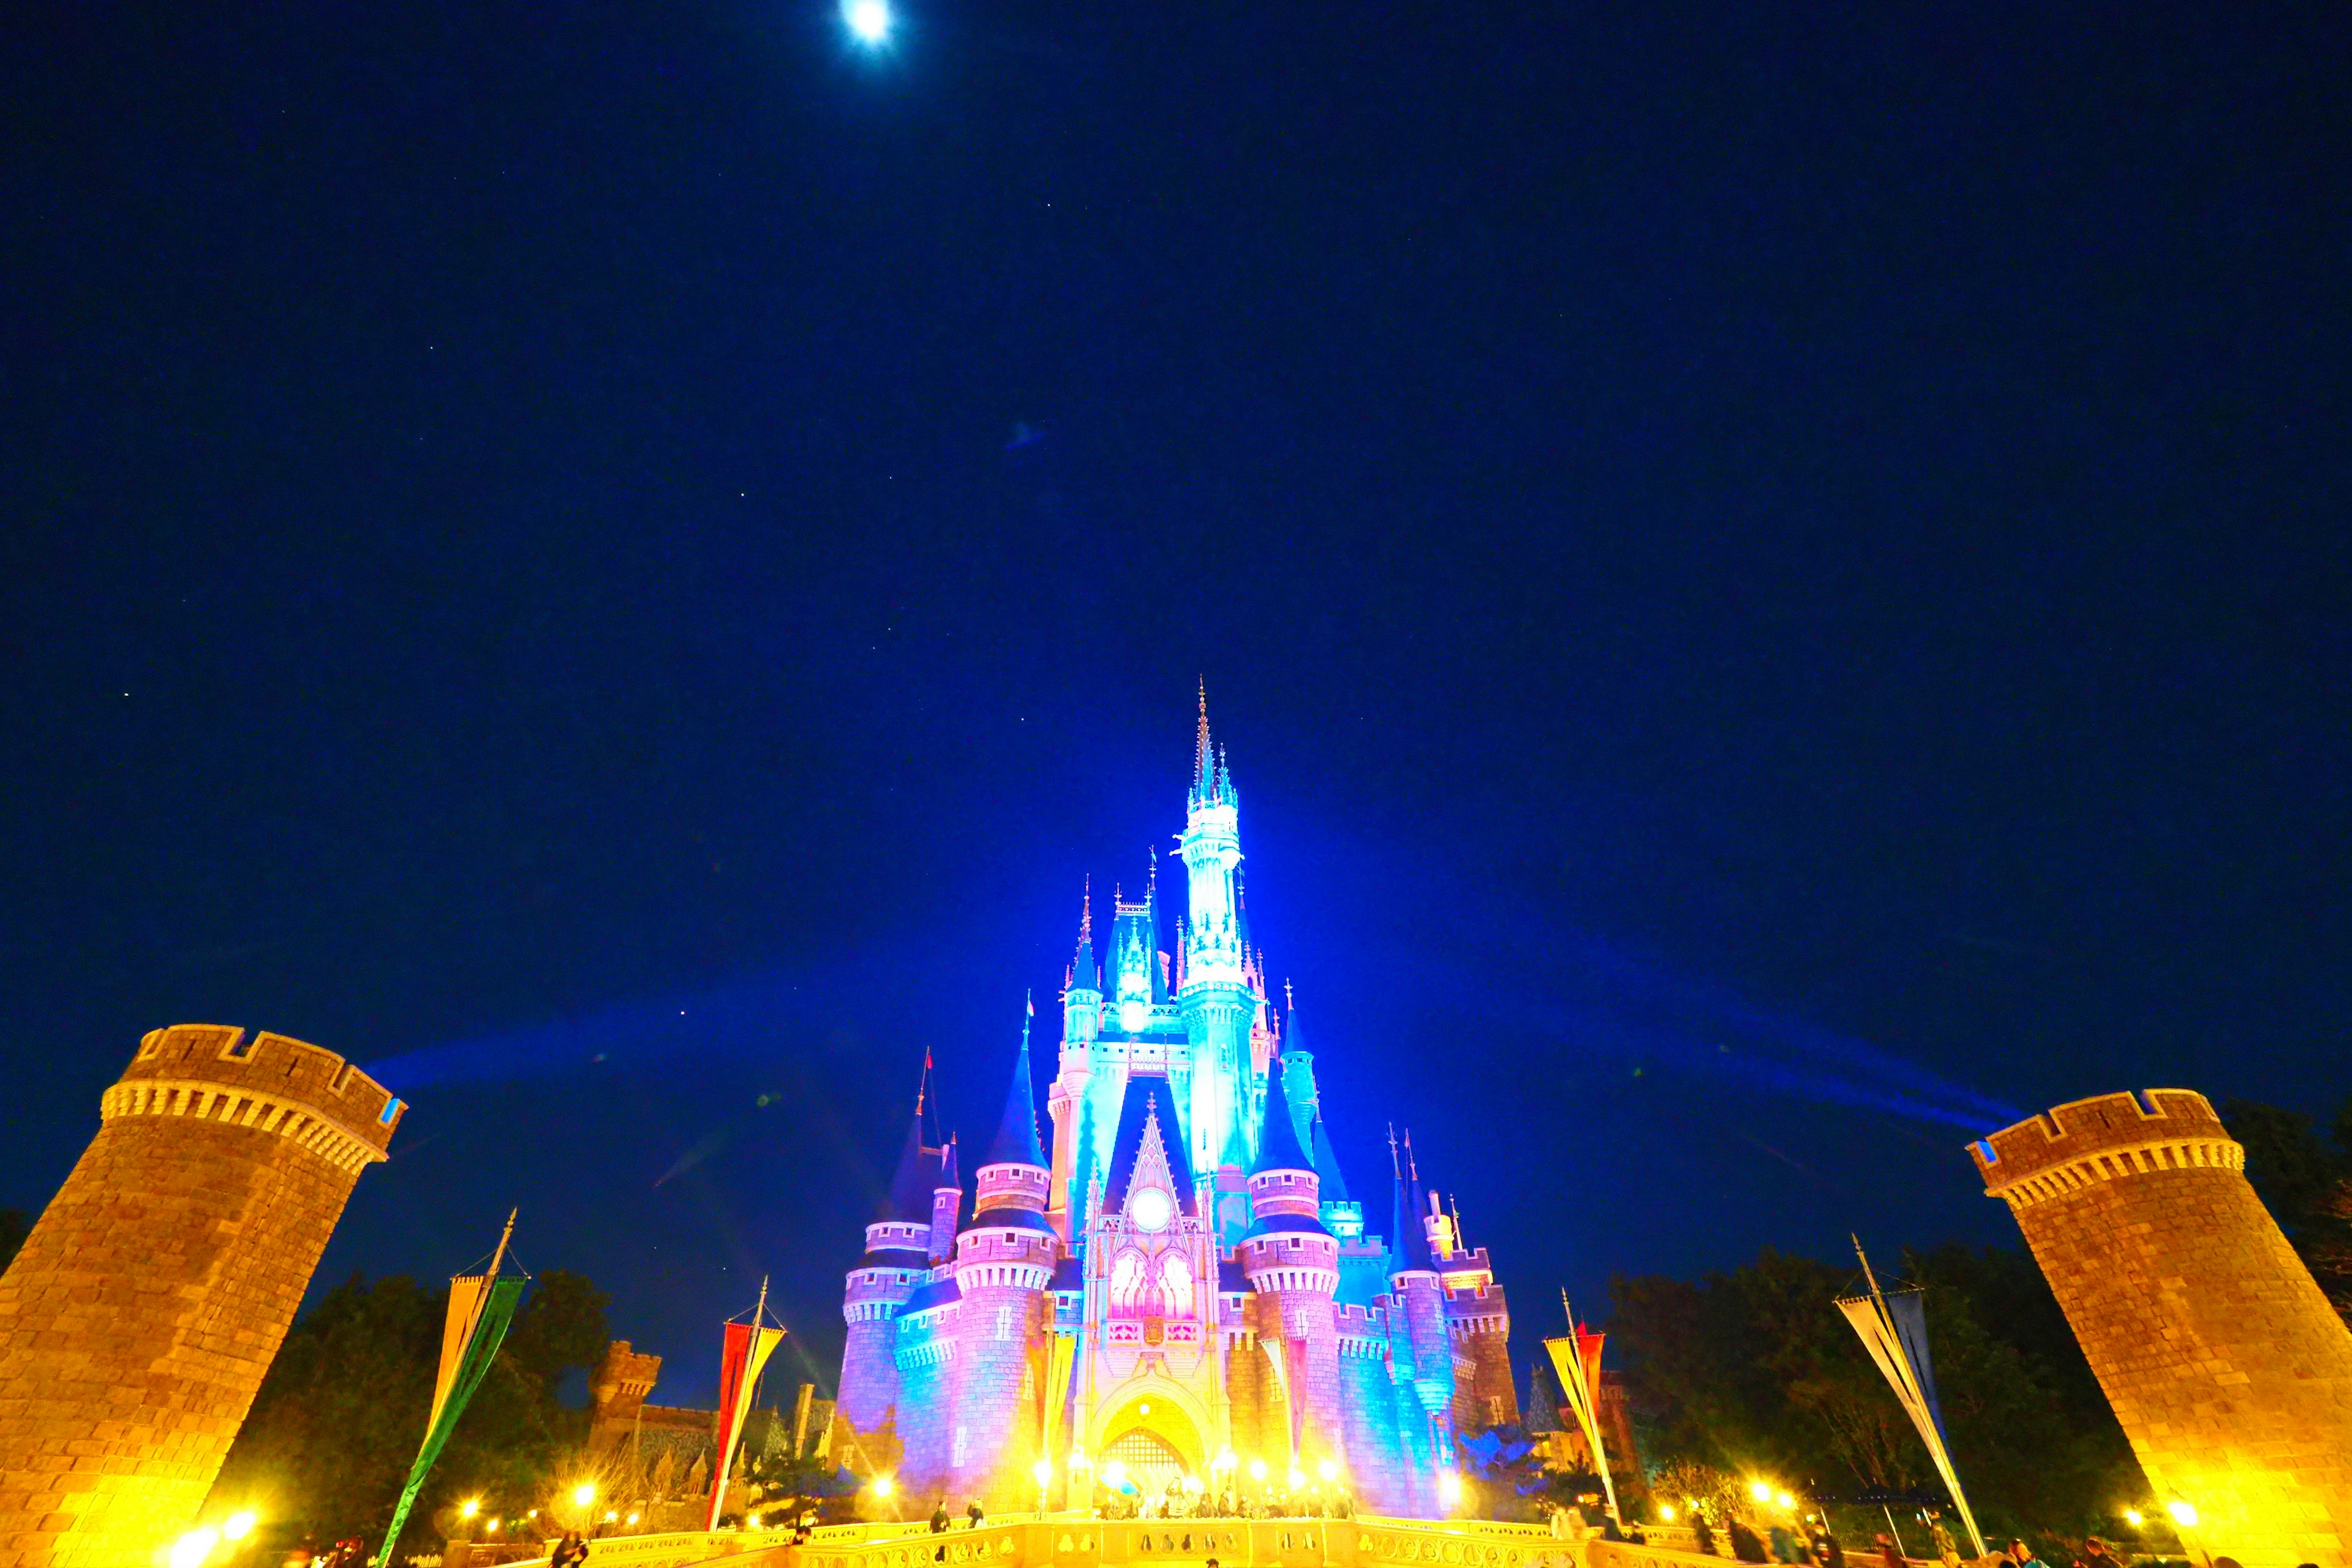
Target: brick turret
2229	1369
1292	1262
897	1254
142	1311
1004	1266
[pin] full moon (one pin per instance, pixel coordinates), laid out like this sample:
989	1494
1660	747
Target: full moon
869	20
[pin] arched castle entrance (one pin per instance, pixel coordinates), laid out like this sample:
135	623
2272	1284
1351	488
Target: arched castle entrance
1154	1435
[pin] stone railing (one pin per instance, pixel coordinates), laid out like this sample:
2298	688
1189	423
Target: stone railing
1078	1541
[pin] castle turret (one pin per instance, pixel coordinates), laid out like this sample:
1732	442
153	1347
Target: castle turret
1004	1265
1420	1293
2229	1369
1066	1100
142	1310
1479	1318
947	1205
897	1254
1292	1262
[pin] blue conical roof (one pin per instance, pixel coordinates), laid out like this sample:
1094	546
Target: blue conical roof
1334	1189
1409	1247
910	1197
1016	1136
1277	1144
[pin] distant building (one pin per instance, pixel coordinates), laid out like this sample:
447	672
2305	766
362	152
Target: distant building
1182	1292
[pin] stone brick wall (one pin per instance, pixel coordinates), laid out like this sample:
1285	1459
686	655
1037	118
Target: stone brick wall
2229	1369
153	1292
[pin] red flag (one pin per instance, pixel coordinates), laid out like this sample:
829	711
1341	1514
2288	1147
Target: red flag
741	1355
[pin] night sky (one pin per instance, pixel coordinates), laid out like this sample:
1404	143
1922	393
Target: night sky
1775	579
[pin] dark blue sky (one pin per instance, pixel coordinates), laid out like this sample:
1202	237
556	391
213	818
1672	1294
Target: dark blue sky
1774	577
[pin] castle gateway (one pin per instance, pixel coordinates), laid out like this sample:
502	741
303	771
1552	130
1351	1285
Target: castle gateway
1182	1294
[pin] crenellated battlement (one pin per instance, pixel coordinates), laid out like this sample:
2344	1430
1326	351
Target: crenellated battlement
2077	1145
271	1083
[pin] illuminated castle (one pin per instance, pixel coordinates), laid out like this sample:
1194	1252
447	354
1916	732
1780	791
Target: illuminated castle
1183	1293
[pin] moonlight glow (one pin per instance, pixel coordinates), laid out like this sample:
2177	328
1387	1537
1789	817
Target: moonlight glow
868	19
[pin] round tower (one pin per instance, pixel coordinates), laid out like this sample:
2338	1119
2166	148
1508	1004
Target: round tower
1004	1263
155	1290
1292	1262
898	1257
2230	1371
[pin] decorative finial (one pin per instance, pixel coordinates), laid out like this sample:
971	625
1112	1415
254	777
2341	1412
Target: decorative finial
1200	759
1412	1168
1289	1002
1086	912
1395	1169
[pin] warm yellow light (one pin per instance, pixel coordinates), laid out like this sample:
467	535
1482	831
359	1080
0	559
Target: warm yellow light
882	1486
633	1519
492	1525
612	1515
469	1508
1327	1470
2183	1513
1114	1475
1297	1478
1449	1489
532	1514
238	1525
750	1522
1257	1470
1143	1409
1192	1484
1044	1470
2134	1518
1077	1464
1760	1491
1785	1501
583	1494
1666	1513
1224	1461
191	1550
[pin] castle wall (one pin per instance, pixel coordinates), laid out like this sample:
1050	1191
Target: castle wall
2229	1369
152	1293
1375	1463
927	1382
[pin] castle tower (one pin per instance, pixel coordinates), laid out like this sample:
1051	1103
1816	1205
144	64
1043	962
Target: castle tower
1004	1263
2229	1369
1066	1100
1217	1004
1419	1294
155	1289
897	1257
1292	1263
1479	1318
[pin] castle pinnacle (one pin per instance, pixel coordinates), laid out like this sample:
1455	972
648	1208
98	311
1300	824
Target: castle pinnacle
1278	1145
1084	976
1016	1136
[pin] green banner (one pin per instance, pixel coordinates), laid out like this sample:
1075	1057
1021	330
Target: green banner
481	1348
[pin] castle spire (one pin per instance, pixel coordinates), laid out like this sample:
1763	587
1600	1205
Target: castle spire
1277	1144
1083	974
1409	1245
911	1197
1201	761
1016	1136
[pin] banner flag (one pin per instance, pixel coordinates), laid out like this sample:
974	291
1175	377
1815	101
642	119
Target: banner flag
480	1307
742	1356
1576	1358
1061	1358
1893	1328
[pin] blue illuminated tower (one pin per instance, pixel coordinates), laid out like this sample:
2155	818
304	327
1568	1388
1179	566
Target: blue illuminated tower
1216	1003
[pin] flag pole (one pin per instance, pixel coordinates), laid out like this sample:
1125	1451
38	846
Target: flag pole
1588	1411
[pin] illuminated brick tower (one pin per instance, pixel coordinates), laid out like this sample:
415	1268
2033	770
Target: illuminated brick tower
150	1298
2229	1369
